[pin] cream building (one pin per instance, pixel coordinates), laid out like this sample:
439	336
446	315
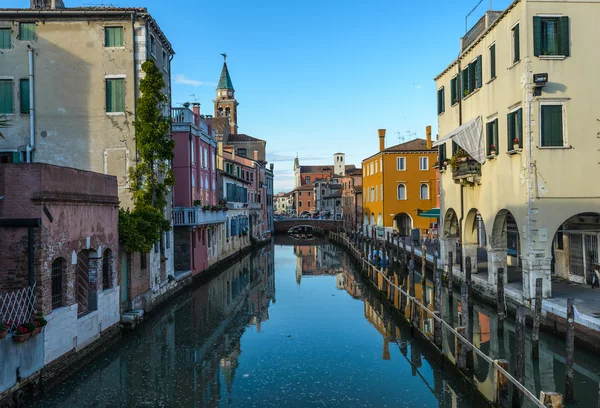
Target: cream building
526	194
69	82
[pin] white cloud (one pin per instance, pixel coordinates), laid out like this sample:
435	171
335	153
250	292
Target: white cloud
419	86
182	79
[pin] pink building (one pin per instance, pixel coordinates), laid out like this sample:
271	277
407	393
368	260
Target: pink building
196	213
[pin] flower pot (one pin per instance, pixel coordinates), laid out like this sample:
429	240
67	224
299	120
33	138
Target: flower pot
493	152
3	334
36	332
516	146
20	338
463	159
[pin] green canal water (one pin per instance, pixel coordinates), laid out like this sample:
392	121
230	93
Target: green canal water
290	325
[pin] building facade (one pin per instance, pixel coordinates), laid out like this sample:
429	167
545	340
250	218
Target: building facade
352	200
398	184
516	103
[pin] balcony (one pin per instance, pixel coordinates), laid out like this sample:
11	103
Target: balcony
243	206
194	217
468	172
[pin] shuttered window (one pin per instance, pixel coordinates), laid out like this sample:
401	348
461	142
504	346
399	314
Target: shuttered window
514	125
493	61
516	44
115	95
492	136
441	153
6	96
113	36
471	78
440	100
552	125
27	31
454	90
551	36
5	39
24	94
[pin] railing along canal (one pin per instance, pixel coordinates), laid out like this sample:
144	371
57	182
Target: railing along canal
467	345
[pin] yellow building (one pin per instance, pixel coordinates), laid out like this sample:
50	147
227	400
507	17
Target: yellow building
398	184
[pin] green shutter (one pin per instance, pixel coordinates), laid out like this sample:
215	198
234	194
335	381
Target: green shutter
464	79
478	79
510	131
564	36
6	96
27	31
519	127
16	157
5	37
113	37
517	44
115	95
537	36
24	91
493	61
452	91
495	134
488	136
443	100
552	126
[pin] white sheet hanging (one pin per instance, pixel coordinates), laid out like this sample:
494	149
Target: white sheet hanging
468	136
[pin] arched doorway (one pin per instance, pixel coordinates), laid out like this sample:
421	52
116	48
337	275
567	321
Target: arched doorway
450	224
474	241
575	248
403	224
379	220
505	240
372	219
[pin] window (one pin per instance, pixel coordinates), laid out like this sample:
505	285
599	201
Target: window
115	95
152	45
59	268
6	96
440	101
516	52
113	37
491	132
307	180
165	61
401	192
455	147
24	90
424	192
375	167
441	153
381	192
299	193
241	152
193	156
376	193
5	38
143	264
27	31
514	124
471	77
551	36
493	61
371	168
423	163
308	193
552	126
401	163
106	269
299	203
308	204
454	90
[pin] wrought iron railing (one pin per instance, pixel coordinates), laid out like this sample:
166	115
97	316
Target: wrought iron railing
17	307
466	169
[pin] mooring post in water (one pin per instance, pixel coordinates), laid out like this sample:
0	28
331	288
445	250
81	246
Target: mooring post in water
450	271
465	312
412	251
437	329
501	383
570	349
551	399
535	337
423	275
460	351
519	369
411	282
500	300
468	280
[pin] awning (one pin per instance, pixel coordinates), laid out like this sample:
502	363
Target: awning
468	136
433	213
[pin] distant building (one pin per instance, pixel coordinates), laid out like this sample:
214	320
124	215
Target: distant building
352	200
284	203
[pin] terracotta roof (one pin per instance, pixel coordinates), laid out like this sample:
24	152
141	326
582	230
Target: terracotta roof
219	124
305	187
357	189
355	172
240	137
416	145
323	169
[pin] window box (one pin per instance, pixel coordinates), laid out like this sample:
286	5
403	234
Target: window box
514	151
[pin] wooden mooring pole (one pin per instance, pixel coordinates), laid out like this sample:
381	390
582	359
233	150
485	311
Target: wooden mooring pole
460	352
500	301
535	337
413	306
437	304
468	280
570	349
551	399
519	369
501	383
423	275
450	271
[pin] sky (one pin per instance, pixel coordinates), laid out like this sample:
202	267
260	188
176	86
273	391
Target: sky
312	77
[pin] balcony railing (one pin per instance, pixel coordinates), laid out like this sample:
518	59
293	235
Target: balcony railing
467	172
194	216
182	115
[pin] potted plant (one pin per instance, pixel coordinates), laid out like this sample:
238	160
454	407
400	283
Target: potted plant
39	316
466	92
516	143
21	334
206	208
492	150
36	326
31	328
3	331
197	203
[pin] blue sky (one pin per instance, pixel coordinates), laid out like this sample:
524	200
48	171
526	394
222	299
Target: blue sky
314	77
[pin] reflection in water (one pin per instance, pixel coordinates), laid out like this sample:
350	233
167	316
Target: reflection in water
329	340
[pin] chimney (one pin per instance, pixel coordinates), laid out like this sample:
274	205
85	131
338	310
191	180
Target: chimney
196	109
272	165
381	139
46	4
57	4
256	155
428	137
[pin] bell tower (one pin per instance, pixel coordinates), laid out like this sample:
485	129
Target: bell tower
225	103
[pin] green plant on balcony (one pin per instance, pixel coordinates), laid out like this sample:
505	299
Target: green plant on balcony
459	157
206	208
197	203
4	123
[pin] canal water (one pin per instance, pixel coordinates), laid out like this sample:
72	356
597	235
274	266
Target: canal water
293	325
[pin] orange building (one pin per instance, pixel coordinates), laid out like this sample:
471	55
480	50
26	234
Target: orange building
399	183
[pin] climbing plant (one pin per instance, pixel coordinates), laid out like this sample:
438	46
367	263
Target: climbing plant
151	177
4	123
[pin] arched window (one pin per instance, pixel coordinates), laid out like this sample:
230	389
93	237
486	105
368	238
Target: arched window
424	192
106	269
401	192
59	268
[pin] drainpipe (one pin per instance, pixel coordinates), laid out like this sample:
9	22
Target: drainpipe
462	187
31	145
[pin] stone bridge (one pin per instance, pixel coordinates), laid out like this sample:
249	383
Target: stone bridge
284	225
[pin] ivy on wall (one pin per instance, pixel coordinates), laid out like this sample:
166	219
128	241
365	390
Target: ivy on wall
151	177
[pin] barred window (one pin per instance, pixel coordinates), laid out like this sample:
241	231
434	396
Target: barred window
59	267
106	268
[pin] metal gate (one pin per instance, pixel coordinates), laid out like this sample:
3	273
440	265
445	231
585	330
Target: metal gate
82	282
576	261
591	256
